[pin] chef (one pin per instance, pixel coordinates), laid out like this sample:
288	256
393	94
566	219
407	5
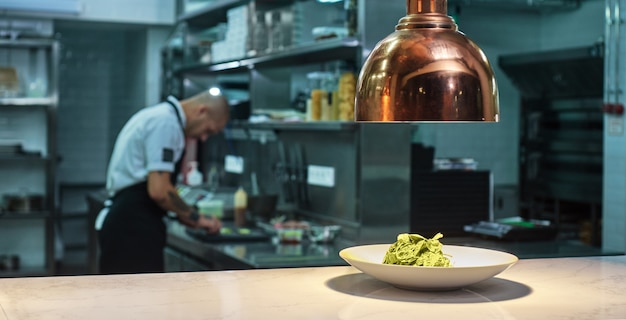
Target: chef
141	177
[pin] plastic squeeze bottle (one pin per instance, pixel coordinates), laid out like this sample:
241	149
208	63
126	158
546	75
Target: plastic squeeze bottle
241	205
194	177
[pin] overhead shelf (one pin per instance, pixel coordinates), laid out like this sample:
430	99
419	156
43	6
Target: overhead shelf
31	102
333	49
27	43
215	12
25	272
30	158
25	215
302	126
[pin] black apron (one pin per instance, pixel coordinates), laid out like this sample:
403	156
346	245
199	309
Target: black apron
133	234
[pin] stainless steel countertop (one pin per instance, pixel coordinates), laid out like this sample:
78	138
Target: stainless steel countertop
259	254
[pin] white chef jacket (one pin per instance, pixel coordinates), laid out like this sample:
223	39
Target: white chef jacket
151	140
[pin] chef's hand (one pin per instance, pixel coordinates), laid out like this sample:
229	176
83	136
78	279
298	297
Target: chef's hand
211	224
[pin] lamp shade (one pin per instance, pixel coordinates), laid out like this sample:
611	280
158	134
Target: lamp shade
426	71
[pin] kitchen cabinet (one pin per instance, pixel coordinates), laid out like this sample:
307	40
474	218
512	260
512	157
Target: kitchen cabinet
28	106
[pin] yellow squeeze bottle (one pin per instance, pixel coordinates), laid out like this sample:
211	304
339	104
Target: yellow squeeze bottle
241	204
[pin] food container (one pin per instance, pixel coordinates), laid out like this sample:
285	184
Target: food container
211	207
23	203
9	84
290	235
323	234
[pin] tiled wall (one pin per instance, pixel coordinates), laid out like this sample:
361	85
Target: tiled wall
100	86
105	72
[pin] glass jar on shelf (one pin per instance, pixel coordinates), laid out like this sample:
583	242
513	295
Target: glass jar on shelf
260	37
323	86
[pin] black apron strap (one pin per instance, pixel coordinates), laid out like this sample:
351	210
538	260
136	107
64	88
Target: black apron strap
179	163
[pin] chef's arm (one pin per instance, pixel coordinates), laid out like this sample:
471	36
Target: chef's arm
161	190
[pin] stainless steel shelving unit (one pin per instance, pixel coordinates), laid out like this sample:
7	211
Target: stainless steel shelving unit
45	159
260	71
333	49
270	78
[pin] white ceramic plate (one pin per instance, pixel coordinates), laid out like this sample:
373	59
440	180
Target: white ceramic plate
470	265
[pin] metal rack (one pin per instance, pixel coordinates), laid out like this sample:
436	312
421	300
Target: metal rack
26	55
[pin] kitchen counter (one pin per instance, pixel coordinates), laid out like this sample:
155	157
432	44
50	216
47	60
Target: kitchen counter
555	288
223	255
258	254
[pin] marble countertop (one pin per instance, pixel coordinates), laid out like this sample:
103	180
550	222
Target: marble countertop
553	288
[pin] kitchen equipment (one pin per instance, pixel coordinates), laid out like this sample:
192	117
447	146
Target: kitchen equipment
467	164
10	148
23	202
300	175
562	132
323	234
283	171
515	230
240	109
9	84
262	205
211	207
447	200
192	195
9	262
229	233
289	235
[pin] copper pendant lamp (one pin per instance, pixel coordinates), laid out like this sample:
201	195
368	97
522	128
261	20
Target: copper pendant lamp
426	71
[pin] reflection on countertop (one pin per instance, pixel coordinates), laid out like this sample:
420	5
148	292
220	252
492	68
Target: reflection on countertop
267	253
270	253
254	253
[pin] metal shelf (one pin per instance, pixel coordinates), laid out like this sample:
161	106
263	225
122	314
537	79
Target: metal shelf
34	102
29	158
27	49
25	272
300	126
27	43
34	215
215	12
334	49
